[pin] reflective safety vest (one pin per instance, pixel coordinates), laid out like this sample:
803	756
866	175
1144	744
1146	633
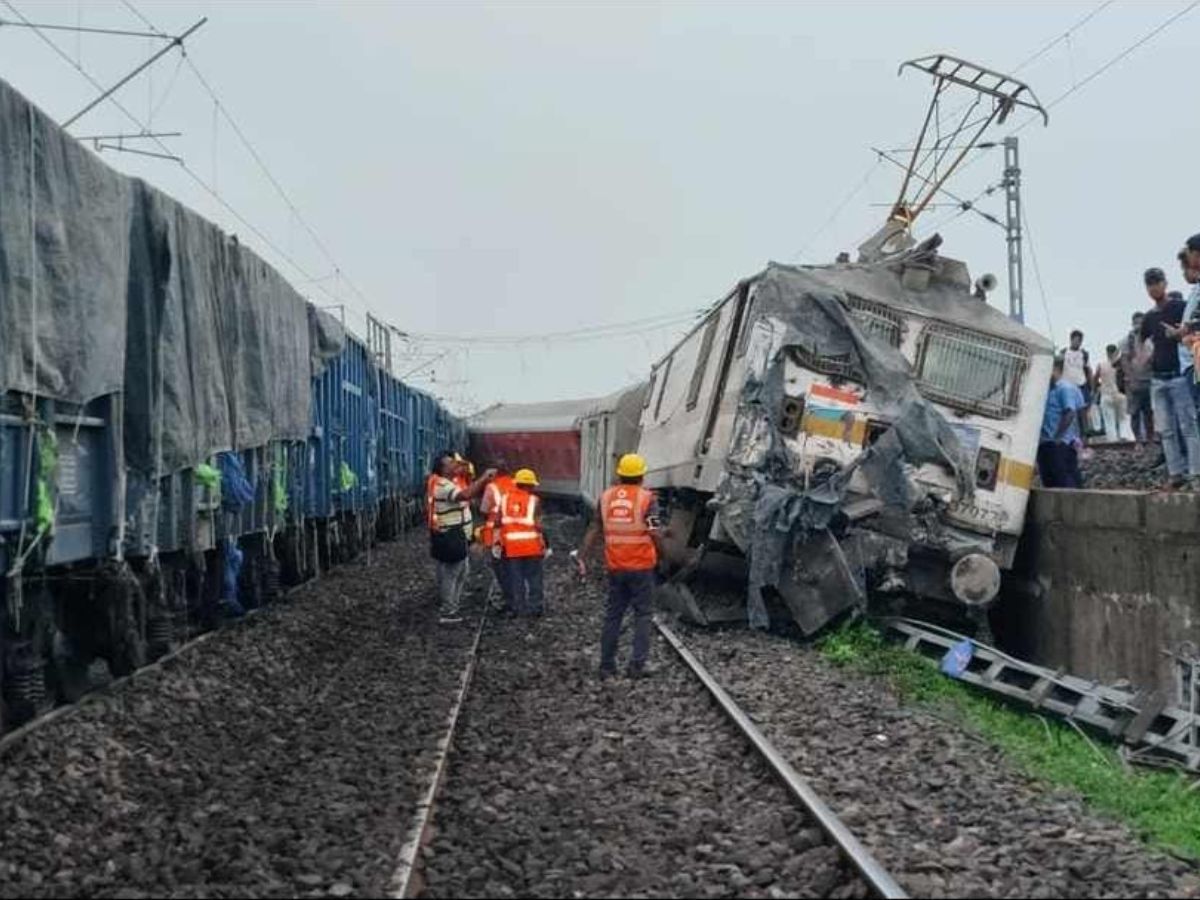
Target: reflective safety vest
624	513
445	514
429	485
493	499
520	534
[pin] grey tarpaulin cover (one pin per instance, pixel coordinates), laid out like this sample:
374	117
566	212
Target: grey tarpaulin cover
765	505
64	259
133	291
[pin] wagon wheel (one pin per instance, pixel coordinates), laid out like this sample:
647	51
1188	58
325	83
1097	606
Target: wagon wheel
127	617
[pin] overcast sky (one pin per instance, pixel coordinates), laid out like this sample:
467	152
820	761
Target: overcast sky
530	168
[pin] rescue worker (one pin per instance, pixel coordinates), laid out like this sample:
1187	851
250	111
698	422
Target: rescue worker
489	507
631	551
449	513
521	544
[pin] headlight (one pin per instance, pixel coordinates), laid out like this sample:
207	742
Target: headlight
791	414
987	469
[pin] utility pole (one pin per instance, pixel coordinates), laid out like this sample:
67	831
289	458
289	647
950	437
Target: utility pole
1012	229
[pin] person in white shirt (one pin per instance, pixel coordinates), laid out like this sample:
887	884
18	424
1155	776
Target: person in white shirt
1076	365
1113	408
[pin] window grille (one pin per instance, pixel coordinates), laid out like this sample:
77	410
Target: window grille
971	372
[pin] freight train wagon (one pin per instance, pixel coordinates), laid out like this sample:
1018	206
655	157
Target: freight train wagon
540	436
180	431
852	428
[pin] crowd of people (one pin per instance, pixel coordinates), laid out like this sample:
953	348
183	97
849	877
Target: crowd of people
1148	380
500	516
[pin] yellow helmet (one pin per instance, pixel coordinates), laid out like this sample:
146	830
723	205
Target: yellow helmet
631	466
526	477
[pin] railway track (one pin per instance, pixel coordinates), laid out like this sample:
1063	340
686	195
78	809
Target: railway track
453	834
877	878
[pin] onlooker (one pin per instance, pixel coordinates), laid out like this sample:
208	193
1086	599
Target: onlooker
1135	366
1077	368
1170	386
1189	261
1108	389
1058	460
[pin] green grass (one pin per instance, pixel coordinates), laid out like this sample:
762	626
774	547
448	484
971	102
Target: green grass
1158	805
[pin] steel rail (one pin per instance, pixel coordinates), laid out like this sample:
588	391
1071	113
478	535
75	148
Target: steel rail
877	878
406	880
14	737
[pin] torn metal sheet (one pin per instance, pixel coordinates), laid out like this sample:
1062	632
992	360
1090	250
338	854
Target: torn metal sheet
778	510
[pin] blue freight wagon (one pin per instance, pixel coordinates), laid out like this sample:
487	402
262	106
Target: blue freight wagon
180	431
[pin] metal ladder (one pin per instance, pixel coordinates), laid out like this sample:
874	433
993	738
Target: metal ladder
1142	720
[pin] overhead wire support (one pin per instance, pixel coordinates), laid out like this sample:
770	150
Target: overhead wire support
176	42
959	202
129	136
191	173
81	29
120	148
219	107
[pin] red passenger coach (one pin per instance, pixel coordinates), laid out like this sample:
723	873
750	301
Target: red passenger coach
541	436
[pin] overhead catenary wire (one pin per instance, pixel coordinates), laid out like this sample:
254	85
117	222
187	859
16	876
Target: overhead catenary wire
1096	73
221	107
191	173
1101	69
840	208
592	332
1037	271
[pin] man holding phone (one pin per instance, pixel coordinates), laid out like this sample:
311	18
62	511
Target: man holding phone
1170	384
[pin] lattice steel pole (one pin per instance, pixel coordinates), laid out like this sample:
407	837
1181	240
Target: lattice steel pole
1012	228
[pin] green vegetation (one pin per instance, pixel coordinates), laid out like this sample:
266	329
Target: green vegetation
1159	805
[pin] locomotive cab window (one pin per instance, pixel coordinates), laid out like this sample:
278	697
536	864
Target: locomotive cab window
706	345
875	320
970	371
662	390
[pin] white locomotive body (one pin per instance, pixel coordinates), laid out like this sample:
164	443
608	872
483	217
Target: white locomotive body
793	380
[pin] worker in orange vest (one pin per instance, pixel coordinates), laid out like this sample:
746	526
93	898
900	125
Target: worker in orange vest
489	507
521	543
631	551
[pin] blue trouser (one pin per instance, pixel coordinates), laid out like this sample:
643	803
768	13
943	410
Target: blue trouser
1175	419
1058	465
627	589
524	577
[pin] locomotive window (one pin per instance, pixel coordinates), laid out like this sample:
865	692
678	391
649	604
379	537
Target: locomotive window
706	343
747	320
662	390
875	320
971	372
650	390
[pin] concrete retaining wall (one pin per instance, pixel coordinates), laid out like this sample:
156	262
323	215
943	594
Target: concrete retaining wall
1119	577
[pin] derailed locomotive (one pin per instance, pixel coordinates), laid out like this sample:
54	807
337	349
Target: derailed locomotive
853	429
178	426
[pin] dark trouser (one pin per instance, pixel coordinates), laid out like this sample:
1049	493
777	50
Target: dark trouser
524	577
1058	464
503	581
1141	413
627	589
